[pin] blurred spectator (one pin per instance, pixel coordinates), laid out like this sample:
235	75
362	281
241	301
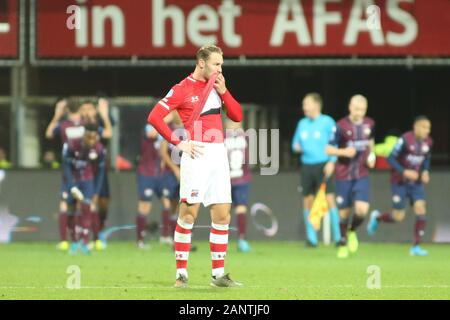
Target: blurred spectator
49	161
4	163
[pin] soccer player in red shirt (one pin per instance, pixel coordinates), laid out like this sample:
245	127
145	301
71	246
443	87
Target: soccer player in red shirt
353	145
204	170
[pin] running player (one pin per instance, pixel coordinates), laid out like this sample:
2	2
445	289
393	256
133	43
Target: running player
79	158
65	128
353	144
204	169
311	137
238	157
410	162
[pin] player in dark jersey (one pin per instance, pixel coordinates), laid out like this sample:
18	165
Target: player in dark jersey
66	124
79	158
100	115
238	157
410	162
148	180
170	180
353	144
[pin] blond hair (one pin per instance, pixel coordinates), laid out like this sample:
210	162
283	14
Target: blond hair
205	51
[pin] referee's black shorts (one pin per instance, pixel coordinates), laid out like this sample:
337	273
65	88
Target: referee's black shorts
312	176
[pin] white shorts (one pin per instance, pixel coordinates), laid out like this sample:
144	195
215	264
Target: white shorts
206	179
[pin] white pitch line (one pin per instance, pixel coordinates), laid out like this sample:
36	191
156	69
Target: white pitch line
445	286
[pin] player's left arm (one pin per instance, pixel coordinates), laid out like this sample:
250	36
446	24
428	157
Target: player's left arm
167	160
331	163
425	176
232	108
101	172
103	110
67	160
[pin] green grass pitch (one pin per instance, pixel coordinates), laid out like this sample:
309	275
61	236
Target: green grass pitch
273	270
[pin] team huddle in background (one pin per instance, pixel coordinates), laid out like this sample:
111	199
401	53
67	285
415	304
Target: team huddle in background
341	154
84	129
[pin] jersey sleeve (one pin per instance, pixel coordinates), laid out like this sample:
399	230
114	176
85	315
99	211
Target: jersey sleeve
335	136
173	99
296	138
395	153
331	133
170	102
57	130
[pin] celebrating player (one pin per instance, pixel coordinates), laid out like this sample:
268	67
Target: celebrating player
100	116
65	129
410	162
204	169
238	156
311	137
353	144
79	158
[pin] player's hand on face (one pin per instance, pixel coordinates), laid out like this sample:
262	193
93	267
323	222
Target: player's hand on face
349	152
190	148
425	177
219	85
328	169
411	175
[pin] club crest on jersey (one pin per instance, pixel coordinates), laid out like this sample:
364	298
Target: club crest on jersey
194	99
194	193
425	148
349	132
367	131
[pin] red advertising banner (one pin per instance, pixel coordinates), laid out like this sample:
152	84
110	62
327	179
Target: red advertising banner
253	28
9	29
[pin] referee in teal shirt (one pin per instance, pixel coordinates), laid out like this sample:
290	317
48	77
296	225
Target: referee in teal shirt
311	137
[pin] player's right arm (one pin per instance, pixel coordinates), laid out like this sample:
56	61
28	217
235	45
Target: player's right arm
332	149
296	141
67	159
103	111
392	160
156	117
53	126
167	160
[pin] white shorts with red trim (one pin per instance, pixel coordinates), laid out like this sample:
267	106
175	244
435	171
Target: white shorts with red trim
206	179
